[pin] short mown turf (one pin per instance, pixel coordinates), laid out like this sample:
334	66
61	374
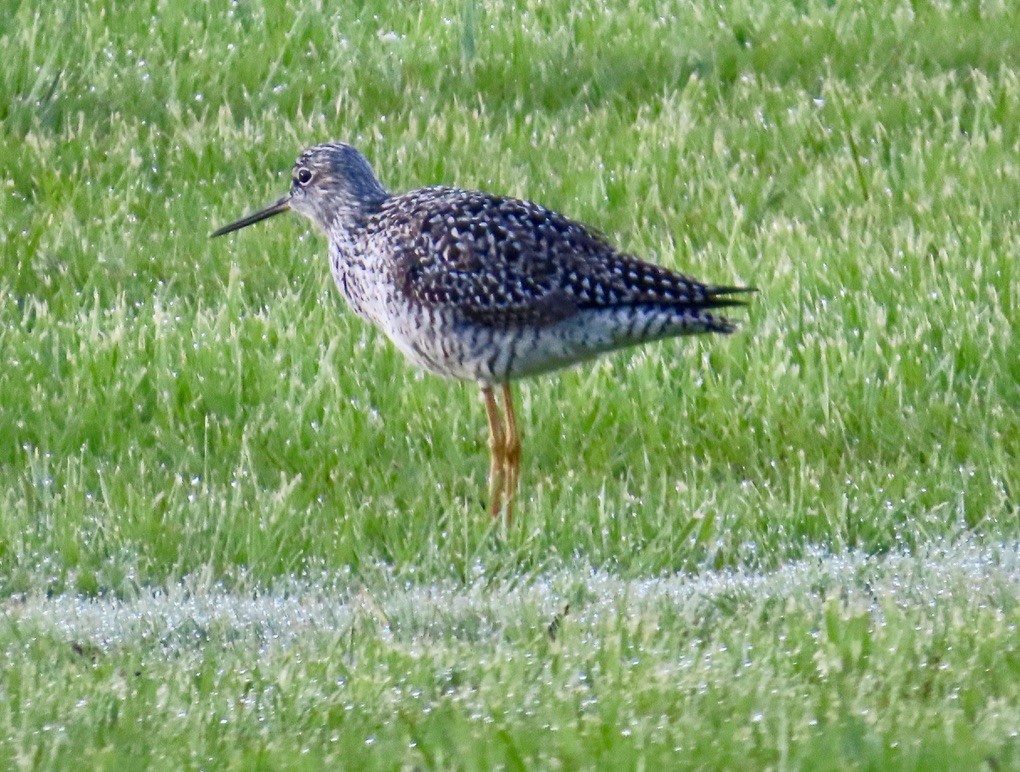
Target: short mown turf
183	417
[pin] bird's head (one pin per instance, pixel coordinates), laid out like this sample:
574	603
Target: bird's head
331	184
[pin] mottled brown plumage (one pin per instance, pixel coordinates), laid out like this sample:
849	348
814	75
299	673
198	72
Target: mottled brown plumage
487	288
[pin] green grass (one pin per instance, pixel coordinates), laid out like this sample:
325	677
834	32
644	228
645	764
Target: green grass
184	418
907	661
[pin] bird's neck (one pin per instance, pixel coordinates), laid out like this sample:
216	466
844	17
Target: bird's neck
354	216
352	274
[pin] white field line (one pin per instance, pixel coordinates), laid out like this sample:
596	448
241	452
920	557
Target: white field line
190	615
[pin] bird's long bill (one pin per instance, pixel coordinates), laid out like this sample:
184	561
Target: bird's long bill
250	219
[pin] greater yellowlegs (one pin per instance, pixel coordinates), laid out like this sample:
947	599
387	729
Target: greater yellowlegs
486	288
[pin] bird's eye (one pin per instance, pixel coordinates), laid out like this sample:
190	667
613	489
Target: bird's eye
304	176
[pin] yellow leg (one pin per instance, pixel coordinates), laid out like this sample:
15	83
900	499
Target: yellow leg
497	445
511	451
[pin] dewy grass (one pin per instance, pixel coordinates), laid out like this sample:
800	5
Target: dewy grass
820	657
174	412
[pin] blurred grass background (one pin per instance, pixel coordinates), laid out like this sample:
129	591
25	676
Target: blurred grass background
172	407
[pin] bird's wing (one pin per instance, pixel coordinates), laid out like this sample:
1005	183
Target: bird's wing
496	259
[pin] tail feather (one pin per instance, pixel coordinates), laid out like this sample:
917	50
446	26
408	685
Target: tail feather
716	291
715	297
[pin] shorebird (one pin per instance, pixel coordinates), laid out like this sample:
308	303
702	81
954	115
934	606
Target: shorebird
486	288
